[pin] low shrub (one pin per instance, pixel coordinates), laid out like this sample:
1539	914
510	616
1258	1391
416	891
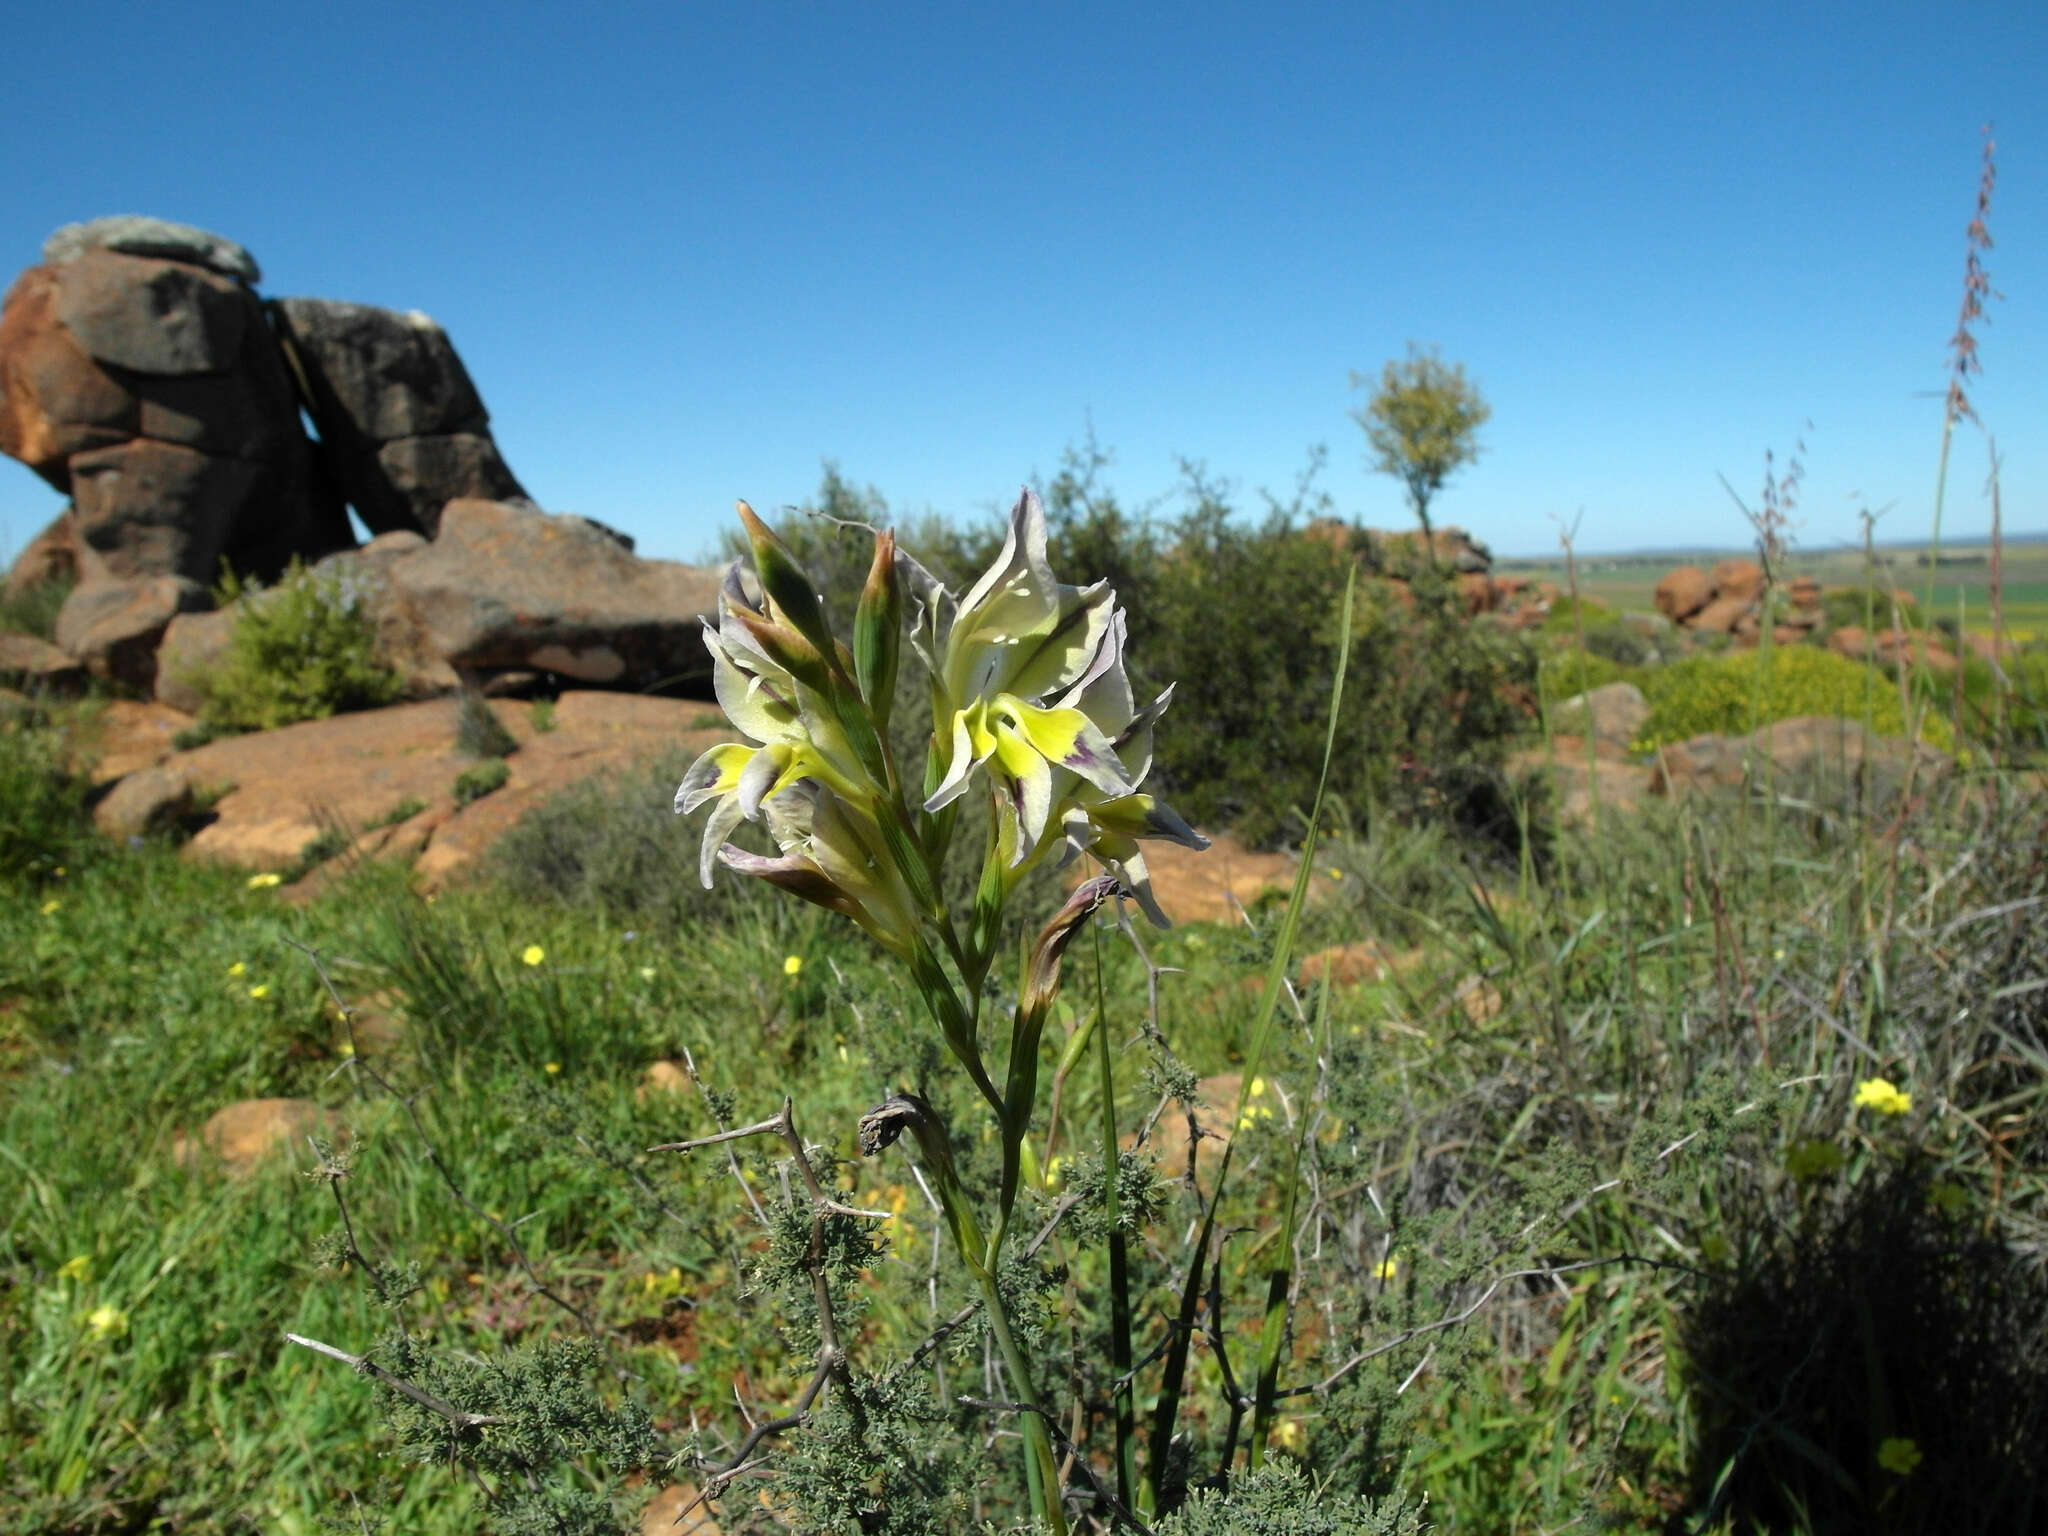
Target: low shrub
478	730
1740	691
302	650
487	777
1877	1364
33	609
42	803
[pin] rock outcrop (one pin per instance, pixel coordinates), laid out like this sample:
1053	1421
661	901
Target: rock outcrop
141	375
1729	600
402	429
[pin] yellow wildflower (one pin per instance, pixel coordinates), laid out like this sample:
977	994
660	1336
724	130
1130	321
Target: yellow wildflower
264	882
52	907
533	954
792	965
1878	1094
77	1268
551	1068
237	969
647	973
1289	1435
260	991
1898	1455
1387	1268
106	1322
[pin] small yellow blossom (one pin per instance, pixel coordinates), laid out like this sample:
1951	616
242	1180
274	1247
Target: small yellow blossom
237	969
1336	874
77	1268
656	1284
58	871
260	991
552	1068
1289	1435
106	1322
1899	1455
348	1048
1387	1268
1879	1094
264	882
792	965
533	954
647	973
52	907
1052	1172
1258	1086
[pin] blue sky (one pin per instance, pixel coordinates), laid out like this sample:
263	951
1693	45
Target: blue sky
689	252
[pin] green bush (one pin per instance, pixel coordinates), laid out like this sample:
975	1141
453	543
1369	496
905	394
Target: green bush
302	650
42	803
1566	674
487	777
1740	691
33	610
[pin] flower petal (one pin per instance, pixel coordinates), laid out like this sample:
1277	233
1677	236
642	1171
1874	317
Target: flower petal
713	774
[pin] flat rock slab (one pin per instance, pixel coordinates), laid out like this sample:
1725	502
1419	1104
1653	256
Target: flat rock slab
128	736
356	769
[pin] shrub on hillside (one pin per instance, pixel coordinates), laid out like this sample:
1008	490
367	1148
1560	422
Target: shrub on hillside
1244	618
1876	1364
1740	691
42	803
302	650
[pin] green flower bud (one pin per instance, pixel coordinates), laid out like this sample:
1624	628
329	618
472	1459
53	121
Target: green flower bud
783	579
878	631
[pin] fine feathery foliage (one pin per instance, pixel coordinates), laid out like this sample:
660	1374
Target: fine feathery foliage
301	650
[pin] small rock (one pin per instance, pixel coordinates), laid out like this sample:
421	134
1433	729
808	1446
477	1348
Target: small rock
38	665
113	625
1480	999
1721	616
1683	593
1615	712
1738	578
243	1134
144	802
664	1514
663	1077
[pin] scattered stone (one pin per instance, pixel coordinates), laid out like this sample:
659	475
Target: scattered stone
1721	615
1480	999
1738	578
113	626
143	802
1615	712
663	1077
1585	789
1683	593
1348	965
192	646
243	1134
664	1514
1805	592
38	665
135	234
1814	757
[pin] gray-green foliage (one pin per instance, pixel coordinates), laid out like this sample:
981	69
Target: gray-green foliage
302	650
480	779
1278	1500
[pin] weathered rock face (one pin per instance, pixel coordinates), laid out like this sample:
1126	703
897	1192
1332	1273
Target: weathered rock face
141	377
402	429
506	586
1738	578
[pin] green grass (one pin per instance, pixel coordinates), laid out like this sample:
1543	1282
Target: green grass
1699	972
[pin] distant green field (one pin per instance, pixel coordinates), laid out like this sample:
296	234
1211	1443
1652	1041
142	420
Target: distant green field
1962	585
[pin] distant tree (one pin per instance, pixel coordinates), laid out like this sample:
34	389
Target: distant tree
1422	422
